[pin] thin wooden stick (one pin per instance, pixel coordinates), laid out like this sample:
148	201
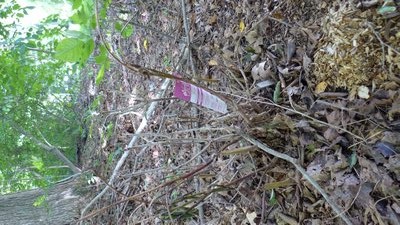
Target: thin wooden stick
301	170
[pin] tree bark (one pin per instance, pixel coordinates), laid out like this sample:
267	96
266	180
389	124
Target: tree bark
62	205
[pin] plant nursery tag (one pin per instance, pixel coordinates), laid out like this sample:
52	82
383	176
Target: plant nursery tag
191	93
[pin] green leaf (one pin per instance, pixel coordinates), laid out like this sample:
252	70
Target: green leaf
37	162
102	58
100	75
353	159
118	26
277	92
272	199
16	7
39	201
83	35
128	31
74	50
76	3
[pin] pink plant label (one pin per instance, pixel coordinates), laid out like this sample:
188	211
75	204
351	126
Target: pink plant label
191	93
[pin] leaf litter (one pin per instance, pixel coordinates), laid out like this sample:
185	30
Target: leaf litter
315	80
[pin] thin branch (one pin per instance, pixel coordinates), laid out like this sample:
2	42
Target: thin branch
46	147
380	39
301	170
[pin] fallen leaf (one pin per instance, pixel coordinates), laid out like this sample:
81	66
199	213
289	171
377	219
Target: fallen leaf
293	91
212	62
259	72
321	87
279	184
363	92
256	45
241	26
330	134
353	159
385	148
212	20
265	83
391	137
394	110
241	150
288	219
251	37
393	165
145	44
283	71
334	118
251	217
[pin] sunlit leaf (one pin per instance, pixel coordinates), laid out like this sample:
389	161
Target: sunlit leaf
39	201
321	86
74	50
100	75
241	26
128	31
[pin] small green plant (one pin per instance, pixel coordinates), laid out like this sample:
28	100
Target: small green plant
272	198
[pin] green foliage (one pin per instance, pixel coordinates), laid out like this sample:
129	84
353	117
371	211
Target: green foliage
39	201
11	9
100	75
74	50
37	163
353	159
78	46
272	198
37	93
126	31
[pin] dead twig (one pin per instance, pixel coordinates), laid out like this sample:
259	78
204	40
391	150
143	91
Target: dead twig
197	147
165	184
293	161
380	39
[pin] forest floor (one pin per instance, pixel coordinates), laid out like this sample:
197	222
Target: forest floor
316	81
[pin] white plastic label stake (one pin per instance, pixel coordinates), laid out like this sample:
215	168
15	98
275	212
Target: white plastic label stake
191	93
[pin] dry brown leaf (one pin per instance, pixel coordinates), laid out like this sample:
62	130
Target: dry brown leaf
330	134
391	137
394	110
279	184
288	219
261	71
251	37
334	117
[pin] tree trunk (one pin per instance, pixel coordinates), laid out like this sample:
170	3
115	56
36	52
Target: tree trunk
62	205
